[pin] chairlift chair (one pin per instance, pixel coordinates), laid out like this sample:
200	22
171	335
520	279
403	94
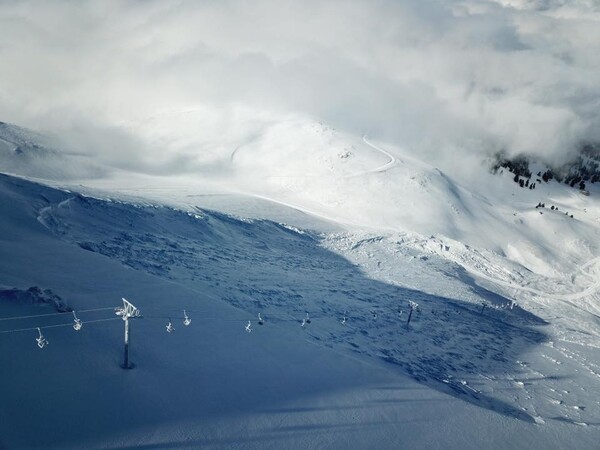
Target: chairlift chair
170	328
41	340
77	322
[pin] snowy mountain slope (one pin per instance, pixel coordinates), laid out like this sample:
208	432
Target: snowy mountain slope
328	384
357	229
305	164
27	153
210	384
358	184
383	219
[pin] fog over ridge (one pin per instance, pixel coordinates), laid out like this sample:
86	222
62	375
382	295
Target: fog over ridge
442	78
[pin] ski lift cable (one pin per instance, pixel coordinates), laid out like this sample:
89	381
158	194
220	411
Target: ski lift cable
168	313
277	317
165	313
56	314
58	325
273	315
218	319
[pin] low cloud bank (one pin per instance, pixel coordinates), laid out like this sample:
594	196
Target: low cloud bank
443	78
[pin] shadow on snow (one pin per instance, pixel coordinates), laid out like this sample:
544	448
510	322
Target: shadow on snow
283	273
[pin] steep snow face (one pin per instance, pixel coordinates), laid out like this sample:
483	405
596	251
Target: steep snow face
487	345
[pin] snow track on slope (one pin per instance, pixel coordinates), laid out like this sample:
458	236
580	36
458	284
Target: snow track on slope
590	290
588	306
391	163
380	169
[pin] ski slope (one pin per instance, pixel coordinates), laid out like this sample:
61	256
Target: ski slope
301	219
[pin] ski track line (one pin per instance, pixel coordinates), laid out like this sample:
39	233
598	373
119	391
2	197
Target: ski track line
391	163
388	165
15	146
232	156
566	297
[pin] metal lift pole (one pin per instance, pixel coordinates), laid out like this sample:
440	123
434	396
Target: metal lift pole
127	312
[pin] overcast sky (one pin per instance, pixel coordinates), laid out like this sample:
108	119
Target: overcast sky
438	76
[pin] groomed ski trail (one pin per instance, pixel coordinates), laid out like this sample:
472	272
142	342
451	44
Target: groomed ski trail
384	168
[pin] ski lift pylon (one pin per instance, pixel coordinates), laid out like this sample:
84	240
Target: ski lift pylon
127	311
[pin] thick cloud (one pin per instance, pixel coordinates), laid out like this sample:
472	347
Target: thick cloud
472	76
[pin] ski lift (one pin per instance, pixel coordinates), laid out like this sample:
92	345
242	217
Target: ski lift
249	327
186	319
127	311
41	340
77	322
260	320
170	328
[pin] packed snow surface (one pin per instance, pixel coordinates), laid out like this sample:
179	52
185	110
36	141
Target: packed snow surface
289	218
